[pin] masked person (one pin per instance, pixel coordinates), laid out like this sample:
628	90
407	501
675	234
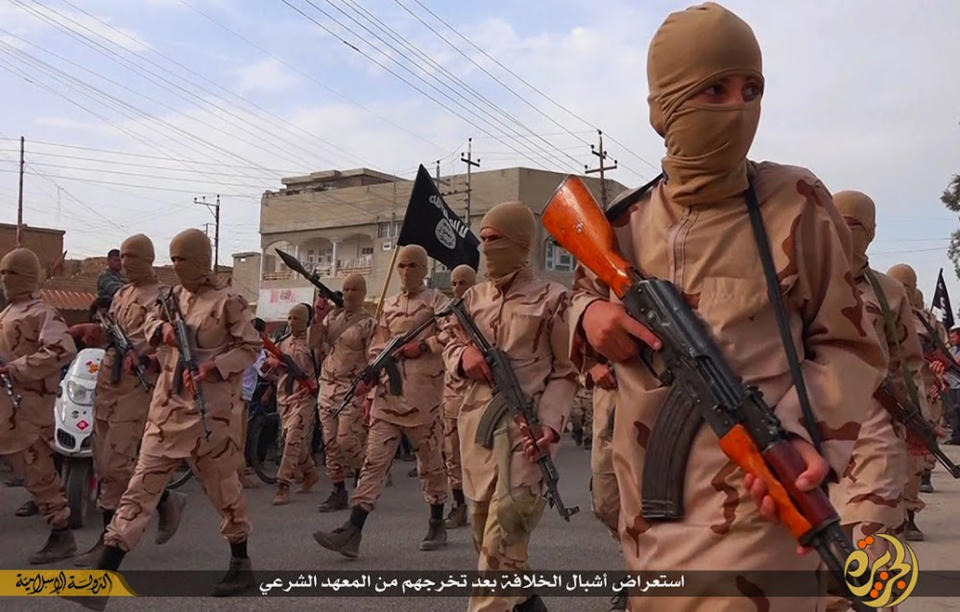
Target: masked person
692	228
461	278
525	317
34	346
415	412
920	461
121	402
869	495
296	407
225	343
343	335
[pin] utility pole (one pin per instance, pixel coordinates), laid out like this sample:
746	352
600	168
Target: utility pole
470	164
601	153
20	200
215	209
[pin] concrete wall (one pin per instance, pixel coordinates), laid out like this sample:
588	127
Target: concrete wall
46	243
246	275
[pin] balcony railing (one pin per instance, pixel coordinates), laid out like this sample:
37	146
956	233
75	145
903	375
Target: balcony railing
362	265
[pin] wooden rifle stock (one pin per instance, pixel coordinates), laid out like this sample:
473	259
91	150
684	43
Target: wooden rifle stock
303	379
577	223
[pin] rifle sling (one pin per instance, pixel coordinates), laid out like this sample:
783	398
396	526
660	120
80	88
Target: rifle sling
891	333
776	299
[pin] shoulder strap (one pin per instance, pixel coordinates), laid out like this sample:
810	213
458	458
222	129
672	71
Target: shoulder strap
773	292
891	334
628	198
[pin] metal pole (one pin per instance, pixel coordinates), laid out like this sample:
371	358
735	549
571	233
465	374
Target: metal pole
20	200
216	236
470	164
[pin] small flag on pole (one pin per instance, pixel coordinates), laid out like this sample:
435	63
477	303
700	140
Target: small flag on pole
430	223
941	301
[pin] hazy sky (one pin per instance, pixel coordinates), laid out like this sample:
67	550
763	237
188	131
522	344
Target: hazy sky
208	96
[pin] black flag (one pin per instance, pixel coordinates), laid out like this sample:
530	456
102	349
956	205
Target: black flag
430	223
942	301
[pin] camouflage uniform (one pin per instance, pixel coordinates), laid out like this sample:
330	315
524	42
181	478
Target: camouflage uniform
34	346
344	338
297	412
693	230
525	317
226	341
581	415
415	413
604	493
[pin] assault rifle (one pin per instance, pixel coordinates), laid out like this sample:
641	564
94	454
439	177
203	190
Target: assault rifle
934	349
294	264
387	361
188	359
124	347
293	370
7	383
910	415
508	397
702	387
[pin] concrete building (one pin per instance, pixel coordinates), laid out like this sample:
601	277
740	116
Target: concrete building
341	222
46	242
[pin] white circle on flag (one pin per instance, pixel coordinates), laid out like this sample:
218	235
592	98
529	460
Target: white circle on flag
445	234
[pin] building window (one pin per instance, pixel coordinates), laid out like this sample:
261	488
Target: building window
388	229
558	259
366	250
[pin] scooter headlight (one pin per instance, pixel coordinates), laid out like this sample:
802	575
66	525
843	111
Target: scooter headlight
79	394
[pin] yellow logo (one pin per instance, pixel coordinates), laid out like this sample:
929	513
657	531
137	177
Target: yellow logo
889	579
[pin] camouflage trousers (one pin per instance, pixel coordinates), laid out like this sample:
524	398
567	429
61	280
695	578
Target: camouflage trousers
344	439
501	542
869	496
911	492
214	465
451	452
115	449
581	415
604	492
35	464
382	443
298	437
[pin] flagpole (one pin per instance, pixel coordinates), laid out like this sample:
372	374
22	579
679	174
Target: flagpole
386	281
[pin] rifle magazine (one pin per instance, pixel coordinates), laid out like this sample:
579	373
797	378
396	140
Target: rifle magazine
668	447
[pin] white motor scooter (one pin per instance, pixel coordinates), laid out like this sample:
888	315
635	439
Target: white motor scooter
73	423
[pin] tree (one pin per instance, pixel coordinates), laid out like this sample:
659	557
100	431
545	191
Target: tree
951	199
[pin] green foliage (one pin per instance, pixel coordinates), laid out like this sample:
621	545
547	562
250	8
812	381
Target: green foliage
951	199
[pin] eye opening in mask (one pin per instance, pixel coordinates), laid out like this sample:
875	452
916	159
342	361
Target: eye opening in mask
728	89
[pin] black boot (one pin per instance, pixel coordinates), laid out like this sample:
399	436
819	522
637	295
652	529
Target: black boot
578	436
911	532
436	537
618	602
90	558
337	499
531	604
60	545
239	576
345	539
925	485
169	513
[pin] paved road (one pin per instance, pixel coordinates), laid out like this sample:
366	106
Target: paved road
281	540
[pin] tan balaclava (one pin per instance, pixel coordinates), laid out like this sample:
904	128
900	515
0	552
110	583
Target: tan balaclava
137	254
412	263
354	292
20	271
192	248
916	299
298	319
904	274
860	214
505	257
707	145
462	278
